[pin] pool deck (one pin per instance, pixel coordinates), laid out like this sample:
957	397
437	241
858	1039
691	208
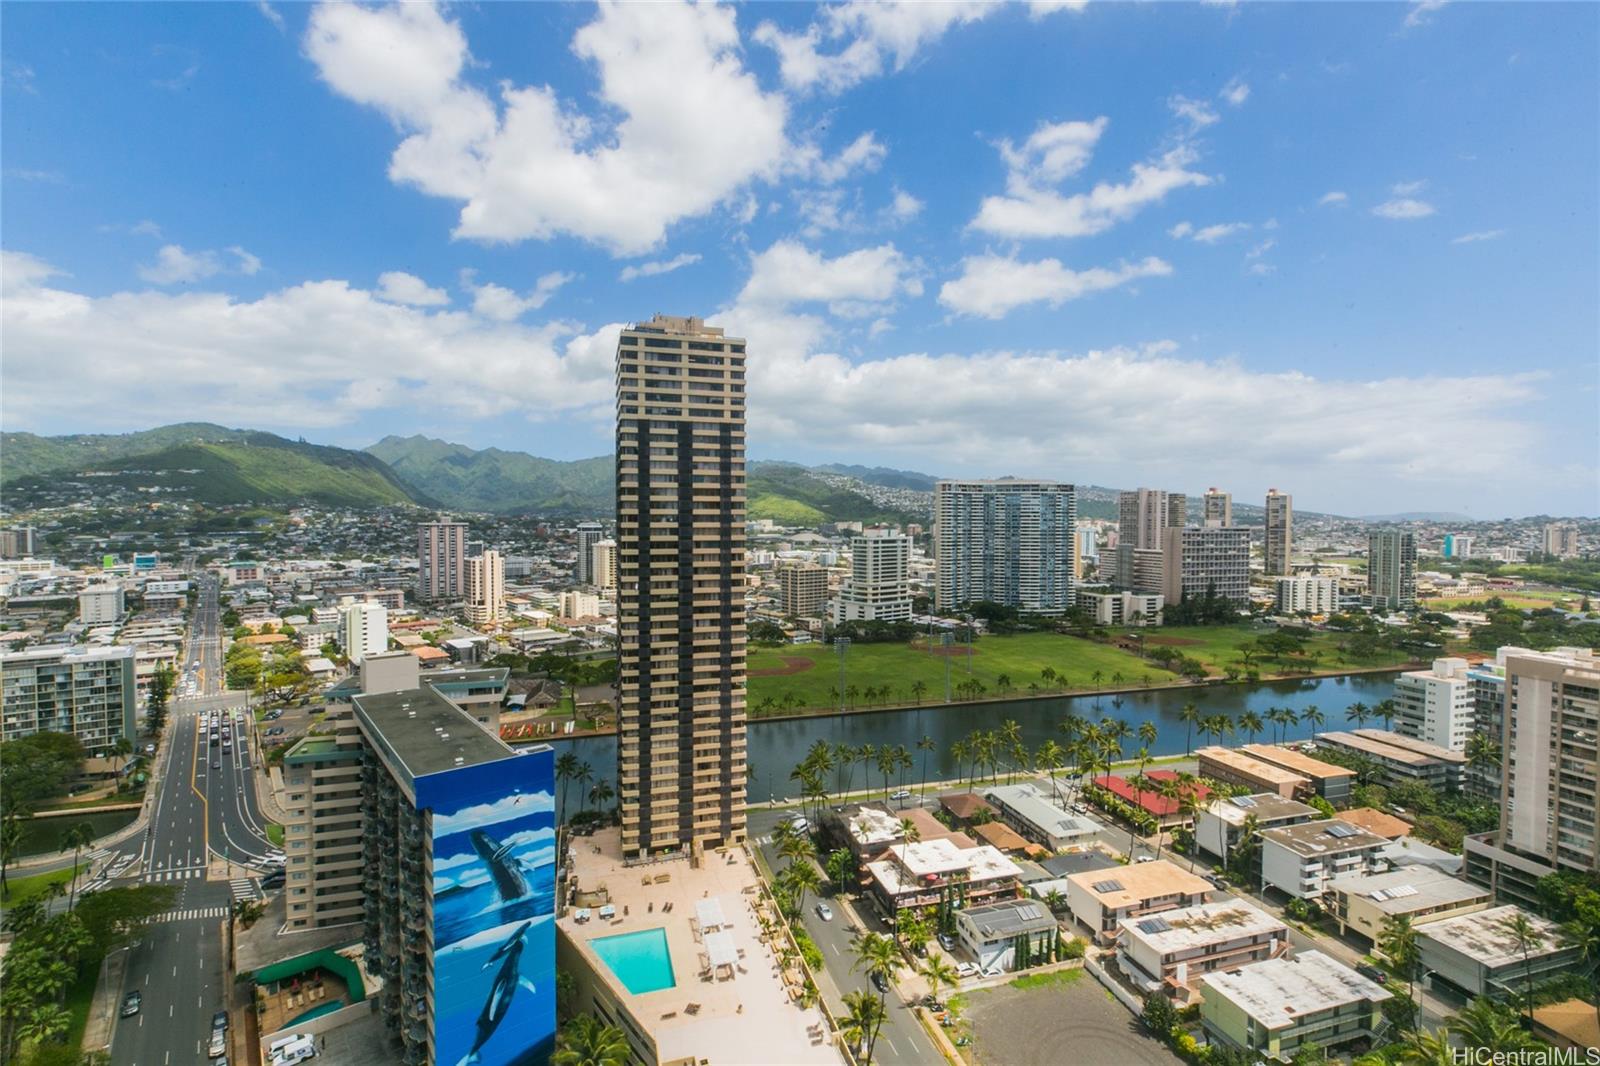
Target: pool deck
747	1017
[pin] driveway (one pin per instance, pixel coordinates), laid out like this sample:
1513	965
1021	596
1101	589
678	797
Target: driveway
1038	1026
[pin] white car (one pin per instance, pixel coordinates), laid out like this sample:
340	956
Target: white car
824	912
901	795
965	969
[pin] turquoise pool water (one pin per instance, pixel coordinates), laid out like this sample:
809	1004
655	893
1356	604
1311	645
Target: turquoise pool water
640	960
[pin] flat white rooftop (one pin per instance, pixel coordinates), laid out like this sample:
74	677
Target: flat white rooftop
1202	926
1413	888
1277	993
1483	936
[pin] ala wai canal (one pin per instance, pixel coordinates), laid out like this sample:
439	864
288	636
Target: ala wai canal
776	746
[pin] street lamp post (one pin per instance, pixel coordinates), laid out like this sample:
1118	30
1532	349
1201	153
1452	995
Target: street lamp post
946	640
841	647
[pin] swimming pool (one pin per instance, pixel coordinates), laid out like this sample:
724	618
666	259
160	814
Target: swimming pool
640	960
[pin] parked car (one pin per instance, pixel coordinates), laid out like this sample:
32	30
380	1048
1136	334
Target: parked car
900	795
879	983
131	1004
824	912
219	1020
947	941
1372	973
149	749
965	969
219	1044
1145	858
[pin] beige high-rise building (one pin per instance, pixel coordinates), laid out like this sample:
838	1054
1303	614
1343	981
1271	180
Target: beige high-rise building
1280	533
1143	517
803	589
680	586
878	589
603	560
1219	507
1561	540
441	560
486	588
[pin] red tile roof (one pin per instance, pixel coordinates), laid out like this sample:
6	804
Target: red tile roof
1152	802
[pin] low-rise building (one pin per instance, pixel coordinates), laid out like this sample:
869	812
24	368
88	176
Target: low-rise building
1123	608
1479	954
1313	595
101	604
1101	899
1401	759
1333	783
1234	768
866	830
1174	949
1166	810
938	873
1008	934
1220	826
1029	810
1363	904
1375	821
1273	1008
1303	860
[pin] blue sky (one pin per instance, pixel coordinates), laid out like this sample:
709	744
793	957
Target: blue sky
1347	250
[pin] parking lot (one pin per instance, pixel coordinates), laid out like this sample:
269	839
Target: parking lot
1063	1021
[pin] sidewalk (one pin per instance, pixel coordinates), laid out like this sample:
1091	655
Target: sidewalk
104	1008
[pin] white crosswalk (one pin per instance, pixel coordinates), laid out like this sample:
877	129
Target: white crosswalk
186	873
244	888
191	913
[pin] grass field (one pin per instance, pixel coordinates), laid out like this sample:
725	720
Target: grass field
1531	599
275	834
1004	665
21	888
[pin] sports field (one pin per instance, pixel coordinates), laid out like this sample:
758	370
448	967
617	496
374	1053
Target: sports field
1008	665
1531	599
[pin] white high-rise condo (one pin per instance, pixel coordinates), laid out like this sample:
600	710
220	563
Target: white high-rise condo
1280	533
1392	569
364	630
486	588
1436	705
588	535
680	587
1007	541
878	589
441	559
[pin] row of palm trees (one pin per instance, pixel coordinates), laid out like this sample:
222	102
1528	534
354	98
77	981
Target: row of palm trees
570	768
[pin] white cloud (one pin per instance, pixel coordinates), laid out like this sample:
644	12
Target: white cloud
666	266
316	354
145	228
864	153
789	273
905	206
174	266
1481	235
871	35
1207	234
1051	154
1259	250
1236	92
48	177
398	287
1035	212
1181	230
1335	197
991	286
1197	113
249	265
1408	188
1421	12
270	13
1403	208
504	305
1260	269
529	165
1041	8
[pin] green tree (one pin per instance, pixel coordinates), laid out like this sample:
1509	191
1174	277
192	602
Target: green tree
566	770
863	1017
1487	1024
1189	715
12	832
116	917
1398	942
1527	937
77	838
1250	722
158	693
1315	716
586	1041
840	865
939	974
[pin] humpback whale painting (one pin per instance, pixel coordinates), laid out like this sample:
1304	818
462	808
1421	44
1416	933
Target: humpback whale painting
493	915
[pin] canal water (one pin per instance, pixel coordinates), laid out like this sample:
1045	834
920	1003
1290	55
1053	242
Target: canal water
776	746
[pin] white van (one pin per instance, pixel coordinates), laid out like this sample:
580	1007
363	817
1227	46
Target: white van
295	1050
284	1041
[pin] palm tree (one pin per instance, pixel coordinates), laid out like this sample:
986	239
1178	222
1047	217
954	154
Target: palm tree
863	1016
1398	942
938	972
566	770
925	744
802	877
1250	722
1528	937
878	958
601	793
1049	759
122	749
583	775
1190	714
1385	712
1585	935
1315	716
1487	1024
1483	751
960	751
888	761
1358	713
46	1023
77	838
1427	1048
918	690
1003	683
1148	733
586	1041
12	832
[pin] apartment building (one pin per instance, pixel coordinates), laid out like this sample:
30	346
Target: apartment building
1313	595
1304	860
441	560
1008	541
587	535
363	630
1219	828
458	881
803	589
1438	705
1218	507
1328	780
1420	894
1274	1008
940	874
1392	569
1172	950
1201	560
87	691
1400	758
102	605
1561	540
1102	899
1009	934
1457	546
603	560
1123	608
485	588
18	542
878	589
1143	517
1235	768
574	604
1279	544
1028	809
1478	954
680	591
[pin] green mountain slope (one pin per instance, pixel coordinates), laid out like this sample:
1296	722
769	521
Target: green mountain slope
500	481
787	493
23	454
255	468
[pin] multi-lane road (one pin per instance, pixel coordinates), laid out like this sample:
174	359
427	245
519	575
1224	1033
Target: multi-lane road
204	835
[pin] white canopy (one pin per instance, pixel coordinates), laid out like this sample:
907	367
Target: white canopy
709	912
720	949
